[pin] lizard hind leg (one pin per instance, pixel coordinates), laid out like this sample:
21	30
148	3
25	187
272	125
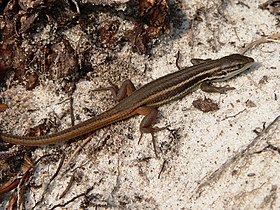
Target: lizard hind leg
146	125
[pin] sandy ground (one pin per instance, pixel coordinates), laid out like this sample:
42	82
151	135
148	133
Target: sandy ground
211	160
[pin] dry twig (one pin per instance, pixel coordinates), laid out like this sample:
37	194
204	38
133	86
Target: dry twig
270	38
84	142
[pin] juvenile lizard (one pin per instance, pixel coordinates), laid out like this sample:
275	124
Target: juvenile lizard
146	99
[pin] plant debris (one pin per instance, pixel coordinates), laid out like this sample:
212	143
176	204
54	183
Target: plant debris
3	107
19	182
156	16
205	105
273	6
37	36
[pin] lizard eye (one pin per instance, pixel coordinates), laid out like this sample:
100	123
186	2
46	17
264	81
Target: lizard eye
239	66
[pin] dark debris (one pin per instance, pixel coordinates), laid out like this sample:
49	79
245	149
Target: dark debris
34	45
273	6
205	105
